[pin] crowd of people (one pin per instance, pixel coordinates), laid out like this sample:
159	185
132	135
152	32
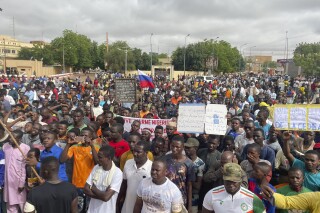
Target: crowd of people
71	131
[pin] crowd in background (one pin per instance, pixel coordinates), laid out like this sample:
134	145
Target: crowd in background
71	131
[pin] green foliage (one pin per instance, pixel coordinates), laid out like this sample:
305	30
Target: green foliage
198	54
307	55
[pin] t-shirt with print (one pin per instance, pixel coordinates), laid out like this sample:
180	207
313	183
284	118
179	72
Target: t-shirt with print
244	201
180	173
164	198
311	180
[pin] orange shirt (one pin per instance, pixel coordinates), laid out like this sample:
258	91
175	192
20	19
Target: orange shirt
176	100
228	93
142	113
128	155
82	165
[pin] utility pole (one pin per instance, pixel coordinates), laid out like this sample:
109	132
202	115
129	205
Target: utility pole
287	49
184	55
240	55
13	28
63	64
5	57
151	52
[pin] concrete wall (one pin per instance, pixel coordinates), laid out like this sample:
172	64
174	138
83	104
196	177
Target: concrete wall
29	66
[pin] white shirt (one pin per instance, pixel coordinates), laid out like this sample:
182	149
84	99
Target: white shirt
97	111
219	200
99	206
10	99
241	141
134	176
165	198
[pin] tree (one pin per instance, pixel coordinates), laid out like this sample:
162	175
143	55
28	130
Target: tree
307	55
198	54
25	53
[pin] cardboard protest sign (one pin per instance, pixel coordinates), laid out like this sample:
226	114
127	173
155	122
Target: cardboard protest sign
191	118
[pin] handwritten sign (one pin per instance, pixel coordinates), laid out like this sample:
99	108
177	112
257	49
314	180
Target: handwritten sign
314	119
215	119
145	123
297	117
125	90
191	118
280	119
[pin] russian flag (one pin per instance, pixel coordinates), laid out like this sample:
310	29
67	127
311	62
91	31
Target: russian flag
145	81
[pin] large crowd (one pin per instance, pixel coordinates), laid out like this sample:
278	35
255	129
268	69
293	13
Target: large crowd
64	147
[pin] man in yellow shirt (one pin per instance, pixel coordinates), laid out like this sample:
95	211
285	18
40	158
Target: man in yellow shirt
306	201
134	138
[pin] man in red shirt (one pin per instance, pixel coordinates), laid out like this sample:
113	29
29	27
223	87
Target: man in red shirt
117	142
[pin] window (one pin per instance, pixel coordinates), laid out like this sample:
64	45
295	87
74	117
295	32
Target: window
13	51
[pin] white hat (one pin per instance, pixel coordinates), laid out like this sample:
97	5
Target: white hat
28	207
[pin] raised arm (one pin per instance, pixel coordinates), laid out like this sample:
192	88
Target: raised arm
286	147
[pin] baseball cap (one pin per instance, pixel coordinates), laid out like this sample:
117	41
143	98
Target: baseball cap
191	142
263	104
232	172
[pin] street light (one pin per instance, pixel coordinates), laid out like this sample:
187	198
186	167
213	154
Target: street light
151	51
240	55
184	55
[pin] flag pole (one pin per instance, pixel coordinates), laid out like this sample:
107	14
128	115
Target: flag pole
18	146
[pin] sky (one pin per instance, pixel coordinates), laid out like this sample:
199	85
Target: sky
260	26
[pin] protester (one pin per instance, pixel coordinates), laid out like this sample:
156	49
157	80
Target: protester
103	183
157	193
15	173
135	170
53	195
231	197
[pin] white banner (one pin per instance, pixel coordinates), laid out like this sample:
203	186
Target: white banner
146	123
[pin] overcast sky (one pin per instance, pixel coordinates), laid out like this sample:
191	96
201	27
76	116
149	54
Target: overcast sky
262	24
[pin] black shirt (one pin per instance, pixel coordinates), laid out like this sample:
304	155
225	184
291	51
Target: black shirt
52	198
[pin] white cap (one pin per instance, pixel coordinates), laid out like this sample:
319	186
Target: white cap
28	207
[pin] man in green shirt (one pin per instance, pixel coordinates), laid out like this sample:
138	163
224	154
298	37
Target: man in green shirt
295	187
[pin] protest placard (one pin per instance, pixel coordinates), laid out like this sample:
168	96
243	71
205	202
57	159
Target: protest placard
215	119
297	117
125	90
191	118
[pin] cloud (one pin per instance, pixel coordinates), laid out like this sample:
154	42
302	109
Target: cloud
260	23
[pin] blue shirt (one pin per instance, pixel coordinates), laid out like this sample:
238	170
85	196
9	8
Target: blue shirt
265	128
30	95
55	151
266	154
311	180
254	187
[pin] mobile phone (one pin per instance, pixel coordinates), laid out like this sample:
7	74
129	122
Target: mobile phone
79	139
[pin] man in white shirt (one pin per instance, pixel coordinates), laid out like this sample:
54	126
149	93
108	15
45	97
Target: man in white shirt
231	197
103	183
97	109
135	170
157	193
